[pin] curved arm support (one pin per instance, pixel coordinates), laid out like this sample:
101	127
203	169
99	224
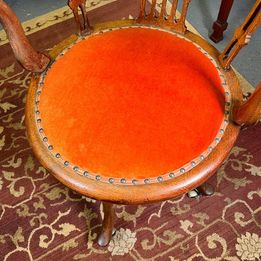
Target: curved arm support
30	59
249	112
241	36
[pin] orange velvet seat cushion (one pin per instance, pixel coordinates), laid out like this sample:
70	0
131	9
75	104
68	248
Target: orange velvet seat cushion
132	103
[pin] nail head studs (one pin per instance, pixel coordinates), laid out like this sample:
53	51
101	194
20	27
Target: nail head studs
193	163
182	170
58	155
123	181
171	175
134	181
146	181
66	163
160	179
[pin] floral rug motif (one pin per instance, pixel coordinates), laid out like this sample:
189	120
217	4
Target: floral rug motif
40	219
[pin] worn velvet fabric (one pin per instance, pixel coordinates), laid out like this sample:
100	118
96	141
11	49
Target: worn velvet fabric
132	103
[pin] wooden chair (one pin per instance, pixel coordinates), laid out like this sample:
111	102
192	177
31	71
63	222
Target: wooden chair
134	111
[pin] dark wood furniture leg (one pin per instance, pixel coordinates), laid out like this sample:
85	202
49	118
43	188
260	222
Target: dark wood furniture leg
221	24
206	189
203	190
107	224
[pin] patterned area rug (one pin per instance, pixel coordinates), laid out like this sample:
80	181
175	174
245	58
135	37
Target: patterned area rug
40	219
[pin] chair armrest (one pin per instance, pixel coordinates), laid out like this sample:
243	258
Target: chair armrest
25	54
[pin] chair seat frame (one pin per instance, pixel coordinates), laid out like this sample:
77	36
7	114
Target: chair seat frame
123	194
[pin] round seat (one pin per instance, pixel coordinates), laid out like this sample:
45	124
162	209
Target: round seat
132	110
132	105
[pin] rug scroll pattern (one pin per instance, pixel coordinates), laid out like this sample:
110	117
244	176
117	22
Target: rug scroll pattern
41	219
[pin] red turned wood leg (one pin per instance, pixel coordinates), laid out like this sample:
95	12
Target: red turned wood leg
221	24
107	224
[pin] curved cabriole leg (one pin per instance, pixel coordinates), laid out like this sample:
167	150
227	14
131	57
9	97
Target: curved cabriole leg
25	54
107	224
203	190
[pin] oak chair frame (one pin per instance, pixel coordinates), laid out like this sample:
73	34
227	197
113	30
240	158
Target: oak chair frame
243	113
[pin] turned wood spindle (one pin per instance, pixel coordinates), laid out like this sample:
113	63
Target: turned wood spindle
172	16
181	22
142	9
153	9
84	25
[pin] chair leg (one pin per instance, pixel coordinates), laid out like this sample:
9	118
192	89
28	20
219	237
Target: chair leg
107	224
203	190
221	24
206	189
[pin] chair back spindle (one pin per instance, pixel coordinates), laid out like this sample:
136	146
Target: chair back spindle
163	10
241	36
162	18
152	9
83	25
